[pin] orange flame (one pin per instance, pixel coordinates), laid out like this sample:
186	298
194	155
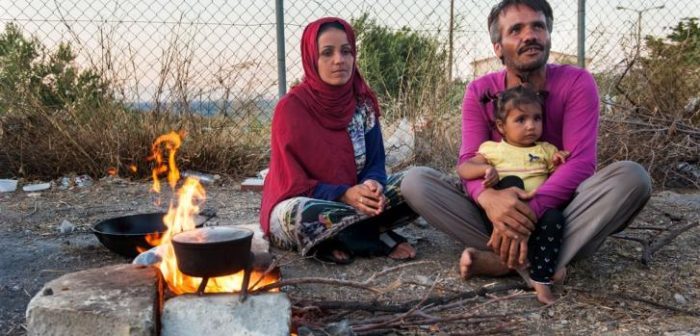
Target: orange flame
153	239
181	217
112	171
133	169
178	219
172	142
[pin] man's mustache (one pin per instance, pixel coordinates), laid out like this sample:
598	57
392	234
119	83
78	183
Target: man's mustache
529	45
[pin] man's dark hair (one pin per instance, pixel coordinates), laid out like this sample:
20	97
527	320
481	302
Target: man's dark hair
536	5
514	97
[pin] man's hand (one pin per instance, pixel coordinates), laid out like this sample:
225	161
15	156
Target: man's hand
513	252
513	221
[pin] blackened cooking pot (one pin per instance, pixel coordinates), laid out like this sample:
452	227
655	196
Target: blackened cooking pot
126	235
213	251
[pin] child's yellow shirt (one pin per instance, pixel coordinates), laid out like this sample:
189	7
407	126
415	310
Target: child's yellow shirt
532	164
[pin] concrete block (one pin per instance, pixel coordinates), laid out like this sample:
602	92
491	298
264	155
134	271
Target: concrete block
223	314
113	300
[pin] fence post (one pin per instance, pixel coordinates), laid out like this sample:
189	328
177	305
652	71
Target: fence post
452	28
281	65
582	33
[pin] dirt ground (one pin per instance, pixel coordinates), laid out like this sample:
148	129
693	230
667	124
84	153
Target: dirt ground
612	293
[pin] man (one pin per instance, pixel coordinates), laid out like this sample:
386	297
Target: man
595	205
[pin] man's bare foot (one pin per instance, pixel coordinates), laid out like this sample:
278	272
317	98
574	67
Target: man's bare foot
403	251
477	262
560	276
544	293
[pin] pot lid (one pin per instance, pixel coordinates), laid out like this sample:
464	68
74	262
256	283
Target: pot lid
212	235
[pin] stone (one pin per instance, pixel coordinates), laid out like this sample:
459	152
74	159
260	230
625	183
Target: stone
420	222
224	314
680	299
66	227
342	328
113	300
423	280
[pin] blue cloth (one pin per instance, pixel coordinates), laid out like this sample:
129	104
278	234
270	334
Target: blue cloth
374	168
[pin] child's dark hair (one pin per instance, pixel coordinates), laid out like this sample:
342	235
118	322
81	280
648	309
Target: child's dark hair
516	96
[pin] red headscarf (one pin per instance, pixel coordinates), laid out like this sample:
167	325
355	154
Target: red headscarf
309	141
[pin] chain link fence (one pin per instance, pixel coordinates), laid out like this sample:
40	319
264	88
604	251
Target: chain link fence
220	57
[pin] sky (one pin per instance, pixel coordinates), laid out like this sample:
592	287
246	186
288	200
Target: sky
220	47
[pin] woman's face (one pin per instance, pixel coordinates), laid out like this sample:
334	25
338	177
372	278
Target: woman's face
335	60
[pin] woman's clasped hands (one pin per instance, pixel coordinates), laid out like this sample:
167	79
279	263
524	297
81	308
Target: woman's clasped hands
367	197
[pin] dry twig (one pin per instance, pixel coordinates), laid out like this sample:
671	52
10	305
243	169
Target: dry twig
629	297
365	285
374	306
654	243
419	317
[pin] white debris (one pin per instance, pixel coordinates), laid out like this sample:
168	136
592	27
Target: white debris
36	187
83	181
7	185
151	257
202	177
263	173
400	145
64	183
66	227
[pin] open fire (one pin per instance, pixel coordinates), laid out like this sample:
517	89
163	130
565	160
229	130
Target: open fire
181	217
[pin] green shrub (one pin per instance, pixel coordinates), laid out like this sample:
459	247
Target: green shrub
403	66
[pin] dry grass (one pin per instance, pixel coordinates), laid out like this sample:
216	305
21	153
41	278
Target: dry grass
40	143
655	119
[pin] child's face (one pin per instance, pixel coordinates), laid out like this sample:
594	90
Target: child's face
523	125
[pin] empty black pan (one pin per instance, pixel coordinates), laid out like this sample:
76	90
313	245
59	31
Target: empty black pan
127	234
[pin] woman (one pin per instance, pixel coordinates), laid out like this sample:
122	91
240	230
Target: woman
327	192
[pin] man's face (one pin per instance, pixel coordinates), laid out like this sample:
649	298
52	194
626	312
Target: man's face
525	40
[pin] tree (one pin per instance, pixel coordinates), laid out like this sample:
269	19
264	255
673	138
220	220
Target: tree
683	41
29	73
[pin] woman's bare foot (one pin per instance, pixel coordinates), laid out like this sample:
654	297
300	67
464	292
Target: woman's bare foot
340	256
403	251
544	293
477	262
